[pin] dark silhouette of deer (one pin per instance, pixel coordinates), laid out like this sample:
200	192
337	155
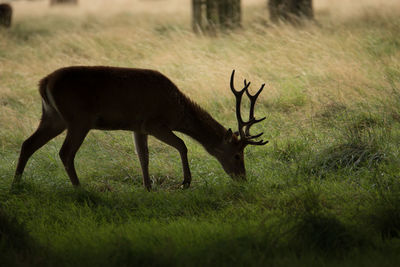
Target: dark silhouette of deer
143	101
5	15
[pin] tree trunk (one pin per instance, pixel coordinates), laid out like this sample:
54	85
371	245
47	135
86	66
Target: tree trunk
5	15
196	17
211	15
236	13
292	11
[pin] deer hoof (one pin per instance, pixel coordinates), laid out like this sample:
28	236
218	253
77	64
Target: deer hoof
185	185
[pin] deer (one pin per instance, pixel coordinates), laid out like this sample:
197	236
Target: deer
81	98
5	15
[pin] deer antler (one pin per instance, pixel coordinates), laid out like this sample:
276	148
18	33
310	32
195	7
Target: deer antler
245	135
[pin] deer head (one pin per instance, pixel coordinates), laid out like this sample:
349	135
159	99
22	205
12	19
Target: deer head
230	154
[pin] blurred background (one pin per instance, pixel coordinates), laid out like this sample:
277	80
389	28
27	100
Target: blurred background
341	8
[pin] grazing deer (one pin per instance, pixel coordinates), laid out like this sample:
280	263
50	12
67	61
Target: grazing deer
143	101
5	15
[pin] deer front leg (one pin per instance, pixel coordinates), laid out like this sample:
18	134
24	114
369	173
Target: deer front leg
143	154
164	134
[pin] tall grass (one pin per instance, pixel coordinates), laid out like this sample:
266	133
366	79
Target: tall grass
325	191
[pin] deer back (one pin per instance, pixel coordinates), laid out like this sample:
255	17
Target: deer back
113	98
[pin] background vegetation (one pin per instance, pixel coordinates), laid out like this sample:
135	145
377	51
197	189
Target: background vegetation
325	191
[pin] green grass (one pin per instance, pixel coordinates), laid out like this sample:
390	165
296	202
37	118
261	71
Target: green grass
324	192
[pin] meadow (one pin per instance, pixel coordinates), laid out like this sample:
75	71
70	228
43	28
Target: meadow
325	191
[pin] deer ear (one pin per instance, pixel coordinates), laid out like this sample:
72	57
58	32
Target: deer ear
228	136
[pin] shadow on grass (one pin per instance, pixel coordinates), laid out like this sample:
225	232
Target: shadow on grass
16	245
311	227
384	212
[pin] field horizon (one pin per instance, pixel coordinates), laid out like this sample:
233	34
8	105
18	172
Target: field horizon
325	191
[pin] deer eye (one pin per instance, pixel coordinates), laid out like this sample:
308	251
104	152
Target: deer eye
237	157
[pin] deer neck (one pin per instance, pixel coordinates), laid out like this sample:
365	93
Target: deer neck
198	124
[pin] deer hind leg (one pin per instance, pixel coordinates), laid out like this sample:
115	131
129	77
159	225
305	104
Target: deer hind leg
165	135
50	126
72	142
143	154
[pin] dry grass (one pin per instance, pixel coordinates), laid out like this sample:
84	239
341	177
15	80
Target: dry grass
305	68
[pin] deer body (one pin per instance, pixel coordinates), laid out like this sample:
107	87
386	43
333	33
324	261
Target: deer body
113	98
143	101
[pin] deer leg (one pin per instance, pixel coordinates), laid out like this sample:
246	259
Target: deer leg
143	154
167	136
72	142
47	130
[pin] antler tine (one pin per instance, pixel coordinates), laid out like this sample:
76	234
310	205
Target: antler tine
255	136
253	99
256	143
238	95
240	92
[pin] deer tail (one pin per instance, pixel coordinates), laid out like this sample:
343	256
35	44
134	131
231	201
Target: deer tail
42	90
47	98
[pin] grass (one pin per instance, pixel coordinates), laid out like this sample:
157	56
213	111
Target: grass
324	192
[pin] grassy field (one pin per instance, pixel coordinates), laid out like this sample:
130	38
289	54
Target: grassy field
325	191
